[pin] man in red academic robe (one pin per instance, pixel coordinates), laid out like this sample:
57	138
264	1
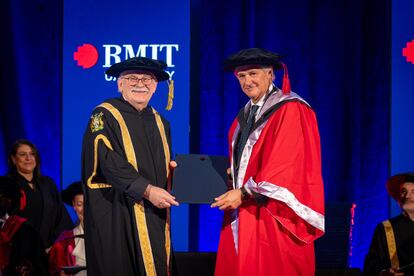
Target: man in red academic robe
275	209
68	251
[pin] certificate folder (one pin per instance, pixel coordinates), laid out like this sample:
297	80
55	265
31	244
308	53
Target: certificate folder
199	178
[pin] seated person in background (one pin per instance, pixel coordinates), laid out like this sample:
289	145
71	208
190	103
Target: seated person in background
21	248
69	249
392	247
40	201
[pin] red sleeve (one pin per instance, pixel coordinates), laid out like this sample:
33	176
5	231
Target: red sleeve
61	253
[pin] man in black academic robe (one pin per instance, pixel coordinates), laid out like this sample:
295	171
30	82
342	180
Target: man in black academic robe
125	172
392	247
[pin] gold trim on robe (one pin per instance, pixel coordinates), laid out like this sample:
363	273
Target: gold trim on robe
95	162
167	164
392	248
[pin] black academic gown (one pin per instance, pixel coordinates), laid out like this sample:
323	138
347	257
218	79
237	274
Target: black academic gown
378	258
123	151
52	217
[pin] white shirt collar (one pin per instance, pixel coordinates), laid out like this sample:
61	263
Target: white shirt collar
261	102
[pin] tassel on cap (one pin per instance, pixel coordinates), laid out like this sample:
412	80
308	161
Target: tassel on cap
170	94
286	82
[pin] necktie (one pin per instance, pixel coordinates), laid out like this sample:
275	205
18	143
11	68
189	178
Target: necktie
245	132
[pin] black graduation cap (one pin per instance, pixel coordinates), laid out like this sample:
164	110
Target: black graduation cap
252	56
395	182
156	67
71	191
199	178
261	57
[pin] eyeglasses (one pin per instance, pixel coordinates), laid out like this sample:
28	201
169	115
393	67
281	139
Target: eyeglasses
25	154
135	80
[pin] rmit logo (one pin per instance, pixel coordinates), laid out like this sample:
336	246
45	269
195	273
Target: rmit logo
408	51
87	54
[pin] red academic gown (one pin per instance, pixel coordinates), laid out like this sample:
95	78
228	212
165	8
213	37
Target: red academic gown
61	252
282	162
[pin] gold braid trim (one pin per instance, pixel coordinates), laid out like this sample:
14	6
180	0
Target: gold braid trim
139	210
95	162
167	165
392	248
170	95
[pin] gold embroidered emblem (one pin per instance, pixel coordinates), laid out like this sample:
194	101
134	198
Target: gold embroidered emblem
96	122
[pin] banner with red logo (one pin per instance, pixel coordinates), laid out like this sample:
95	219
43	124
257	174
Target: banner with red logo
402	96
98	34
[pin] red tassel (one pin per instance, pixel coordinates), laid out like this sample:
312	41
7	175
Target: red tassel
286	82
22	200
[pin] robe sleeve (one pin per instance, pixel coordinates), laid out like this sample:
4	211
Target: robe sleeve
290	172
104	146
61	253
62	220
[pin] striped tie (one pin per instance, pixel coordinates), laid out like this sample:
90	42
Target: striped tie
245	132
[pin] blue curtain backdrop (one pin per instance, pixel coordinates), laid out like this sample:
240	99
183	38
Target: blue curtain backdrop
338	55
30	79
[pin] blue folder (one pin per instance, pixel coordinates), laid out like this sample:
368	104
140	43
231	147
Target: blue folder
199	178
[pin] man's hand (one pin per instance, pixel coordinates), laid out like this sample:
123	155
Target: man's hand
23	271
159	197
229	200
25	268
173	165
